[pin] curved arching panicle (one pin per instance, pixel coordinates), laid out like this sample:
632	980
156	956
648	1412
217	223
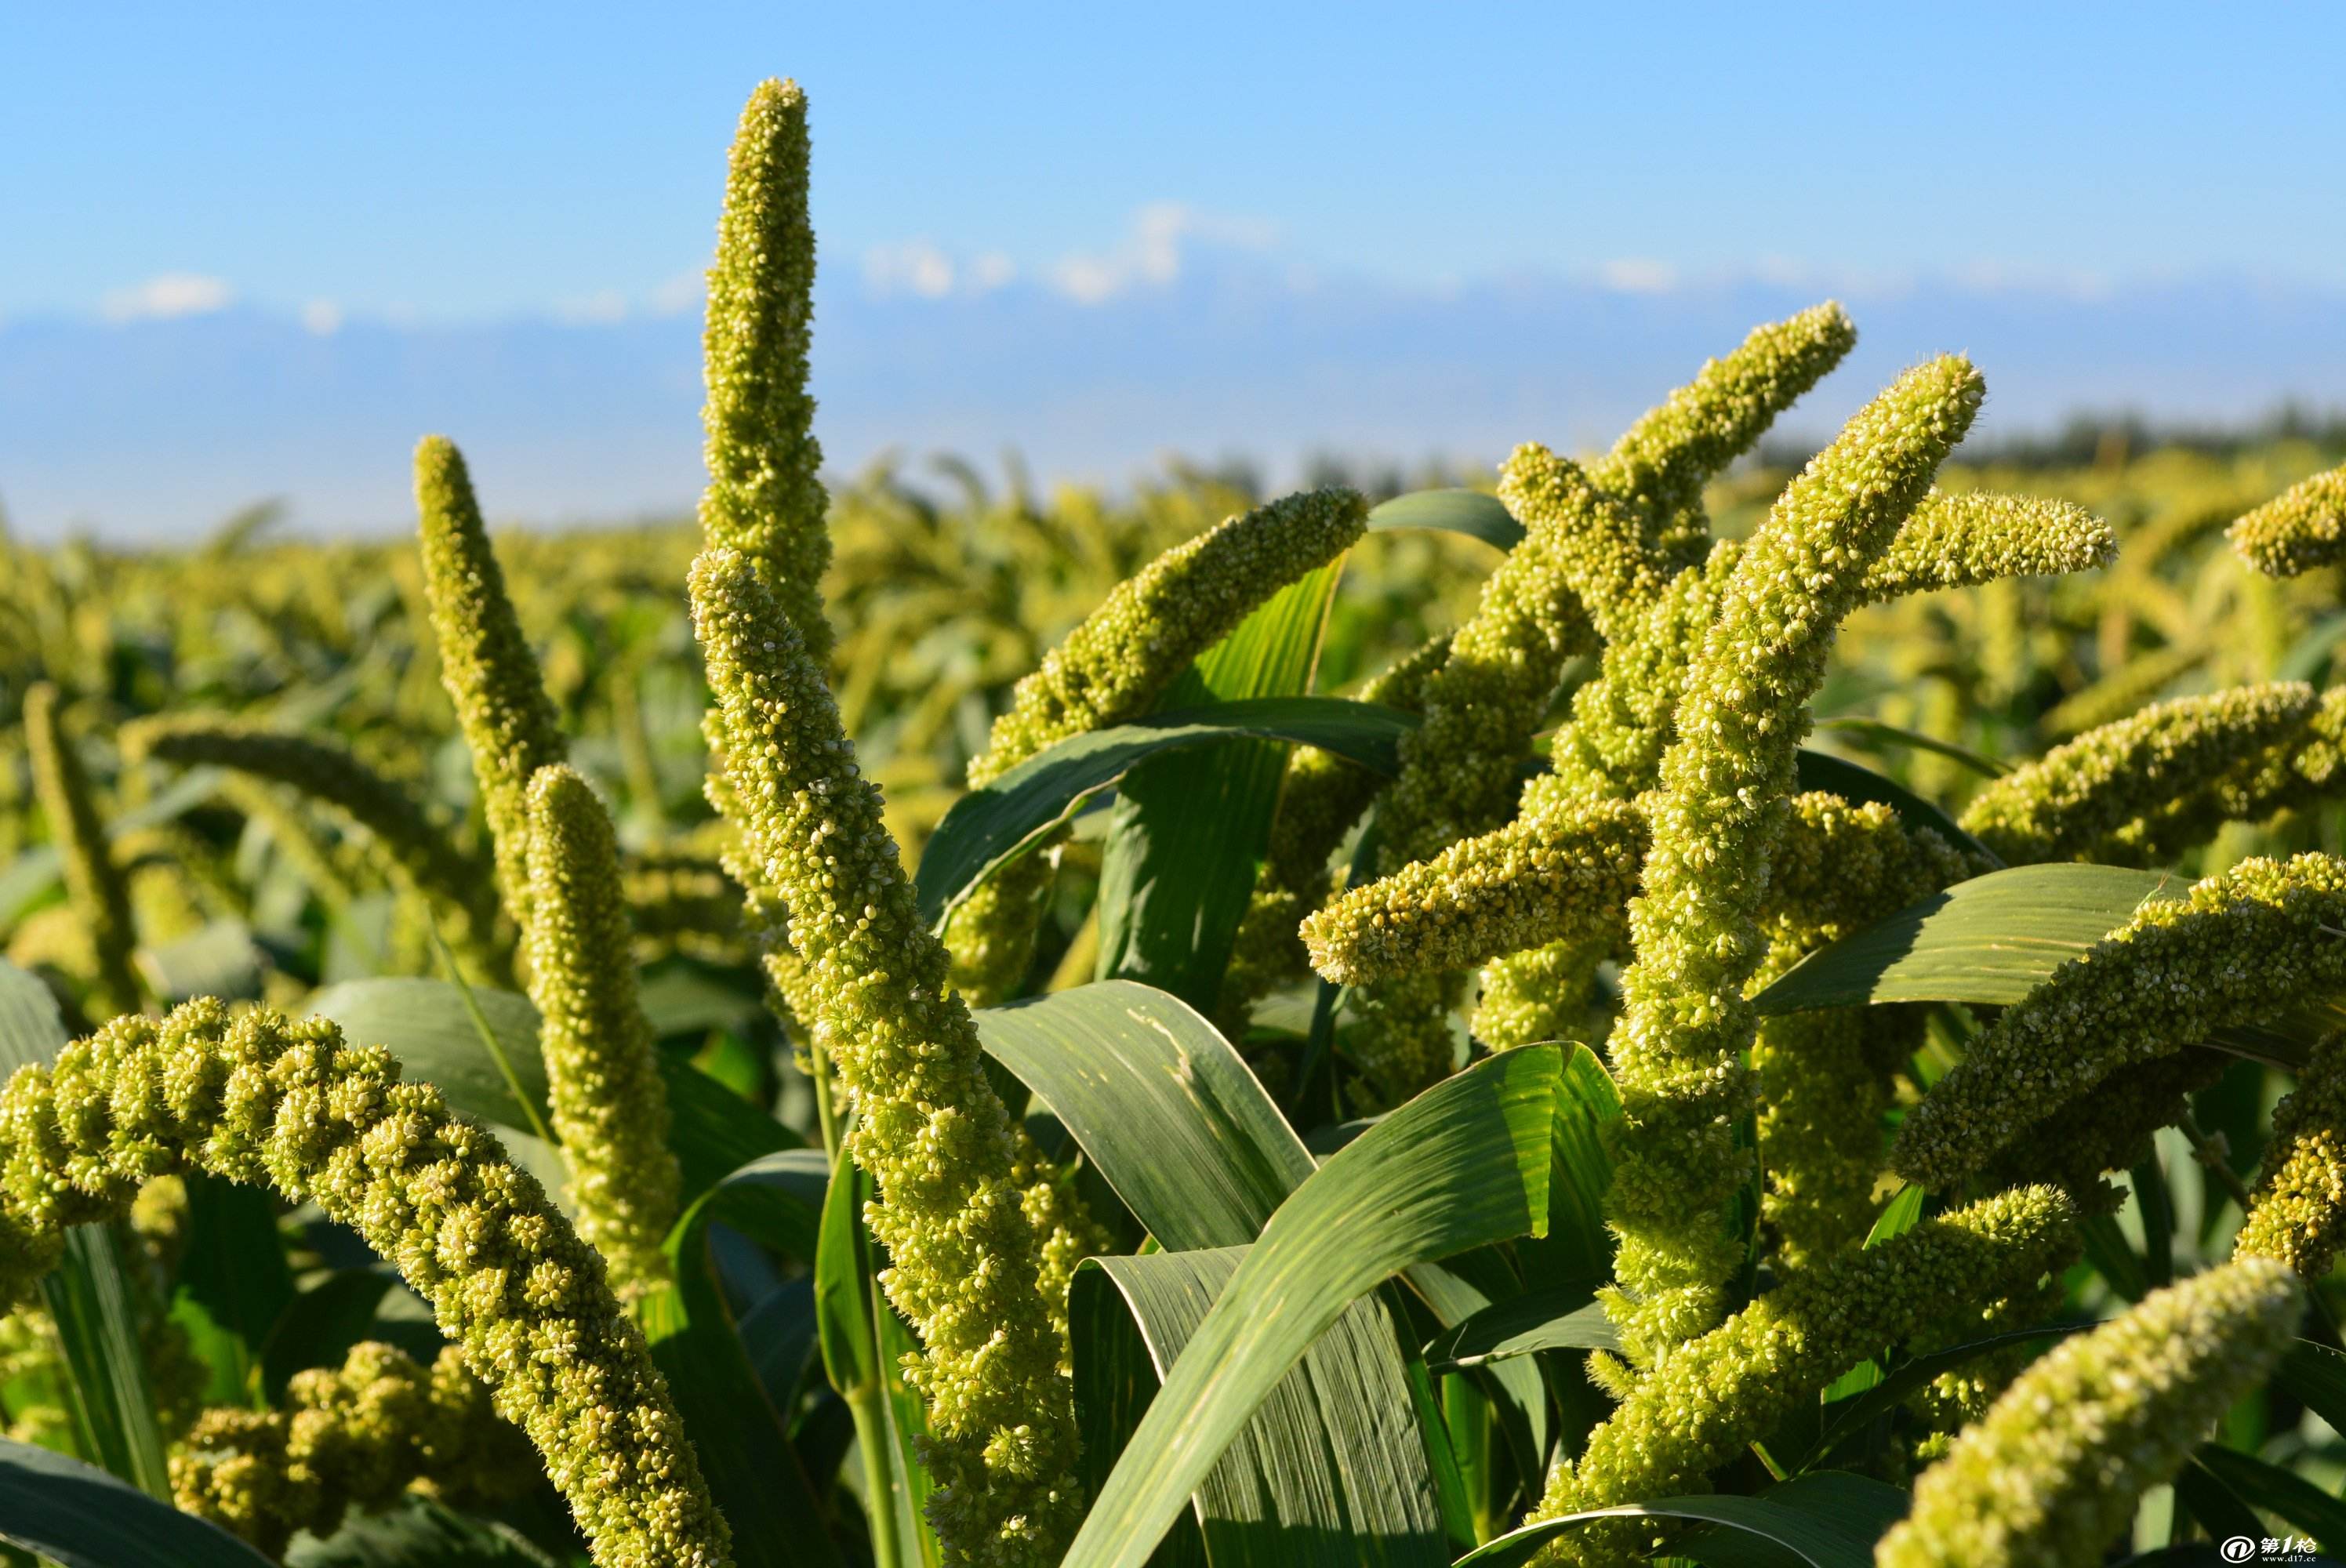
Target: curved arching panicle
2053	1471
254	1099
2236	948
2297	1215
1962	540
2300	529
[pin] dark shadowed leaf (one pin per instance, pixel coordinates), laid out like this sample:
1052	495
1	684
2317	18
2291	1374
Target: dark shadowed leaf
77	1515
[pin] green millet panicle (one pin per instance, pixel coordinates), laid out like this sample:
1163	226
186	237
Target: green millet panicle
966	1261
2300	529
485	662
1114	665
1713	1395
2110	1129
96	890
2296	1212
1726	783
326	771
1964	540
2236	948
1562	877
252	1099
2052	1470
603	1084
351	1437
763	497
1661	463
2083	798
1620	528
1320	796
1113	668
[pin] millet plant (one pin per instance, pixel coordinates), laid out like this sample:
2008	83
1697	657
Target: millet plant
1655	1005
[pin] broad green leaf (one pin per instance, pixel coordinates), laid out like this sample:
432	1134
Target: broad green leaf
2271	1490
1992	939
220	960
1578	1247
31	1028
1819	770
233	1285
2199	1496
1166	1109
1567	1320
2315	1375
1184	1134
1190	830
76	1515
742	1439
429	1025
1829	1520
416	1532
1022	808
1464	1164
92	1305
1467	512
1902	1213
34	873
1258	1502
1511	1389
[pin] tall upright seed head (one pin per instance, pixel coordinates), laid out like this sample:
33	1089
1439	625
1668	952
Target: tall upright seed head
764	498
1725	785
94	886
485	662
603	1082
931	1130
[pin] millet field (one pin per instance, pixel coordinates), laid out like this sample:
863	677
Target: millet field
1666	1004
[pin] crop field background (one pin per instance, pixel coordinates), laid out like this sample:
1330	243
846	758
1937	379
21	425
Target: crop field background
1767	990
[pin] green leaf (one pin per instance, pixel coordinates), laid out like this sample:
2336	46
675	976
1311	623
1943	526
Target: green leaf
1259	1502
416	1532
2271	1490
2315	1375
1819	770
1167	1112
233	1284
1829	1520
31	1028
1844	1419
428	1024
319	1326
987	826
1544	1320
220	960
2210	1502
94	1306
80	1517
1578	1248
1875	735
1992	939
743	1442
1190	830
1184	1134
1467	512
1464	1164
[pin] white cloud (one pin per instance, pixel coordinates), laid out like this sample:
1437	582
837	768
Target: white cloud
167	295
1636	275
990	272
679	294
909	266
322	317
601	308
1151	253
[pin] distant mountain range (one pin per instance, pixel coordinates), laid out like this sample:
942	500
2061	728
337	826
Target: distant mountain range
155	429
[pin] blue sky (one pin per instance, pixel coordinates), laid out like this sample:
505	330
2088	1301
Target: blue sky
256	249
462	162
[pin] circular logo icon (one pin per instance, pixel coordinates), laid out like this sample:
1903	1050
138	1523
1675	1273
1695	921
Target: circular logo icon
2237	1549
